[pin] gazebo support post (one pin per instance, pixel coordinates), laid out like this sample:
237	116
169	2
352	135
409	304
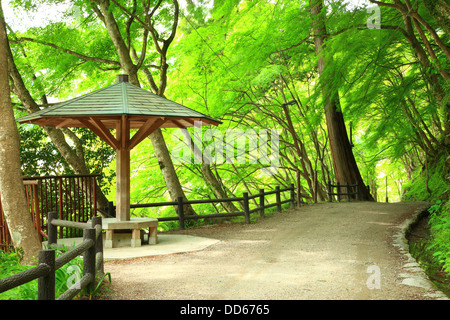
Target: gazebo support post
123	171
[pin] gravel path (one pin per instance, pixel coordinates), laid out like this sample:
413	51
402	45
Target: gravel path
323	251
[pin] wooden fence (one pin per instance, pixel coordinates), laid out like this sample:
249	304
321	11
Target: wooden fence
91	248
73	196
32	195
351	191
245	199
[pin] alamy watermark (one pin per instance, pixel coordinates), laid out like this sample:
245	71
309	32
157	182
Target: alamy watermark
75	277
235	146
374	280
374	21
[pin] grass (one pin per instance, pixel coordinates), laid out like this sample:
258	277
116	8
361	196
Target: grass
440	234
10	265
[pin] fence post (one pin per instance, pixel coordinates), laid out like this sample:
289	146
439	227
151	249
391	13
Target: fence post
292	196
52	231
46	284
180	212
357	191
98	245
338	191
387	199
347	190
261	202
89	257
278	194
110	208
60	199
330	197
246	208
94	191
315	186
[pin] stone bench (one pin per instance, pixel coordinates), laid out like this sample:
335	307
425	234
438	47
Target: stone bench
128	233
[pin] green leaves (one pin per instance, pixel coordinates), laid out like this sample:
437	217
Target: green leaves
10	265
239	61
440	233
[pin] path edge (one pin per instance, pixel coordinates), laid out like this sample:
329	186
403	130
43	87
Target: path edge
413	274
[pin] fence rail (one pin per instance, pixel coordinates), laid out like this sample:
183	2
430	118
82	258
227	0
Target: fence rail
91	248
245	199
351	190
72	196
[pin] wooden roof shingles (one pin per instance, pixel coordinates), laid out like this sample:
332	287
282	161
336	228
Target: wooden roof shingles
119	99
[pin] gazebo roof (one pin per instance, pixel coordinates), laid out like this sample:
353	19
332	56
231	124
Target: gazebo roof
121	106
110	103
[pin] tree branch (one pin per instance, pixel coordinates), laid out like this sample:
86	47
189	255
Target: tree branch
129	23
384	4
76	54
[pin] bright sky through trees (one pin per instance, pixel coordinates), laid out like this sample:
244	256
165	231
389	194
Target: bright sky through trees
21	20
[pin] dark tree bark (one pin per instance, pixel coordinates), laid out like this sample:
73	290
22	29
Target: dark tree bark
344	163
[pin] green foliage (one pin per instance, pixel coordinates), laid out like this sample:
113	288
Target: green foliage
10	265
438	184
239	61
440	234
66	276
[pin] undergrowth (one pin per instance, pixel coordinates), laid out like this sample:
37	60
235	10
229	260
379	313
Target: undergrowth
436	190
66	276
439	224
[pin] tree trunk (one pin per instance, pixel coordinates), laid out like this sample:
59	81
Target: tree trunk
159	144
344	163
411	17
168	170
14	202
209	177
77	163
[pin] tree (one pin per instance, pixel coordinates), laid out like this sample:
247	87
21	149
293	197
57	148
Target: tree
14	202
73	156
244	64
128	32
433	57
344	163
126	52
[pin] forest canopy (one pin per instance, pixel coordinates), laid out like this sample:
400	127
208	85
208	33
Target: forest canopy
285	69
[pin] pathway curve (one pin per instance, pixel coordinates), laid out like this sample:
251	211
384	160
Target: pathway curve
323	251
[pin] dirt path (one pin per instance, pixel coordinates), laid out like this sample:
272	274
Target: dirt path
323	251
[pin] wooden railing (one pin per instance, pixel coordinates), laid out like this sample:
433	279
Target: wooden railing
32	195
73	196
351	191
91	248
245	199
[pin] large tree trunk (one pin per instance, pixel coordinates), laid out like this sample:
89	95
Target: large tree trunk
14	202
344	163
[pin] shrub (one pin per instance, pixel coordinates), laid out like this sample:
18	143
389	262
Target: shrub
440	234
65	276
10	265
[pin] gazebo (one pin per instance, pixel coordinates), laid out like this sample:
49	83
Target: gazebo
121	106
